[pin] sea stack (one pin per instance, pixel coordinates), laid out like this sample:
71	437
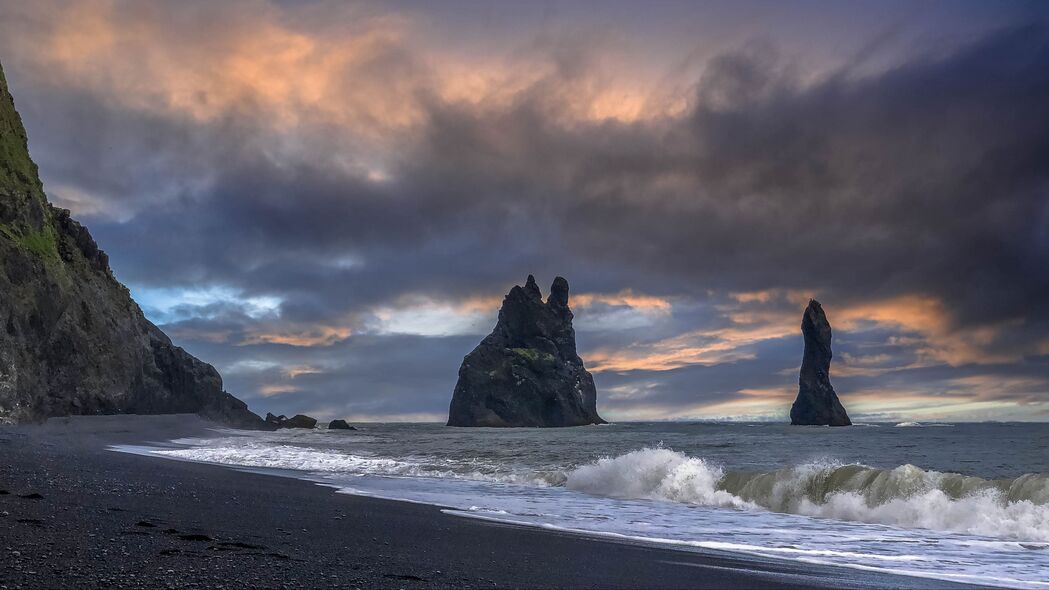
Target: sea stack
71	339
817	404
527	372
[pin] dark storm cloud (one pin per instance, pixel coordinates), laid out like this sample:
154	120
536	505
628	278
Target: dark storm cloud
928	177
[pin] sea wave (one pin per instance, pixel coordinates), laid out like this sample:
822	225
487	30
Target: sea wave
906	496
333	461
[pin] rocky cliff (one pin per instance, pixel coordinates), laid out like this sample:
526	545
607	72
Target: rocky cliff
527	372
71	339
817	404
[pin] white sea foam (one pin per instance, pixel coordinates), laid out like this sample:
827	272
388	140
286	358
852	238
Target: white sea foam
906	496
280	456
655	474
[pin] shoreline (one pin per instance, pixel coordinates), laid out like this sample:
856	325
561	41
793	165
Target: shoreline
123	520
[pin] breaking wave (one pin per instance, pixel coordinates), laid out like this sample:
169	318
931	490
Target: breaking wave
906	496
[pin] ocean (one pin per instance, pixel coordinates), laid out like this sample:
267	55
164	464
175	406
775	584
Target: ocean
960	502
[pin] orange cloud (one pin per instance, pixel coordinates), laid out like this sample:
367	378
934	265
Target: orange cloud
801	298
770	393
701	347
626	298
941	340
927	325
137	58
297	370
276	389
314	336
368	73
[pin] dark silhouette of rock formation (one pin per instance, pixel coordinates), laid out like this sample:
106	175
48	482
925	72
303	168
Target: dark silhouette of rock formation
817	404
296	421
527	372
71	339
339	425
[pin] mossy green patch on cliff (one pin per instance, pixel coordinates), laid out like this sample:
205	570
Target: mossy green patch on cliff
17	170
533	355
42	243
26	216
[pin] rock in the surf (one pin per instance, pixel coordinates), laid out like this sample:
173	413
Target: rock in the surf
300	421
296	421
527	372
817	404
72	340
339	425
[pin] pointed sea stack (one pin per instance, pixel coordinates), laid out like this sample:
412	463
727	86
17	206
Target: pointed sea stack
817	404
527	372
71	339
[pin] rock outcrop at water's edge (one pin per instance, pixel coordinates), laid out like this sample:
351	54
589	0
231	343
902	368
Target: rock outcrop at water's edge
527	372
817	404
72	341
296	421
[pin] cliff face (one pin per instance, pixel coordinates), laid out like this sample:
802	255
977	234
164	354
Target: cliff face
527	372
71	339
817	404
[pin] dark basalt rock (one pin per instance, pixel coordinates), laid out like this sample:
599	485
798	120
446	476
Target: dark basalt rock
71	339
527	372
300	421
296	421
339	425
817	404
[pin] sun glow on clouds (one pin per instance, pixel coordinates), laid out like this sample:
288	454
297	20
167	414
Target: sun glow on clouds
624	298
427	316
300	336
942	342
257	60
298	370
753	318
363	73
277	389
699	347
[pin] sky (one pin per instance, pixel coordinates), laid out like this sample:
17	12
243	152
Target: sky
328	200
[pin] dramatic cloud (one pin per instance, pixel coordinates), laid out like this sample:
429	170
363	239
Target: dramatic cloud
328	203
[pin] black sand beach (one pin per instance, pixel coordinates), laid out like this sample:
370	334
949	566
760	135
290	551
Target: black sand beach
75	515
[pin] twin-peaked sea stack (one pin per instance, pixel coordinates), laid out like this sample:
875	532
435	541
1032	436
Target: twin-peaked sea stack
71	339
527	372
817	404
